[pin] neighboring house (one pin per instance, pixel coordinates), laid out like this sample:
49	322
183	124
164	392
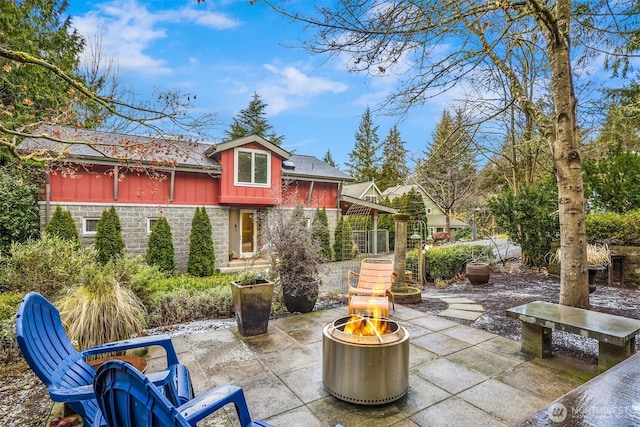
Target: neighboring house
436	218
368	191
233	180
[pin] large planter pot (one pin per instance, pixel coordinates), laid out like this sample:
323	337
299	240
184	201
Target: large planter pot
301	297
478	273
252	305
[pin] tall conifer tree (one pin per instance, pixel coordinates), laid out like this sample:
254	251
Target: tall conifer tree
253	120
364	159
394	160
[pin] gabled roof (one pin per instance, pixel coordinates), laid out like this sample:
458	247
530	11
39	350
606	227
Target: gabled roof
399	190
93	146
303	167
360	189
223	146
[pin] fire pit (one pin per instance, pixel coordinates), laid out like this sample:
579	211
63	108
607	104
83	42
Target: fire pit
367	367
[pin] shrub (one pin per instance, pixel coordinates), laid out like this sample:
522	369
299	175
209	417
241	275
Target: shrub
62	225
45	266
100	311
109	243
614	229
9	302
202	257
160	250
446	262
530	218
343	241
184	305
185	298
19	215
320	233
131	271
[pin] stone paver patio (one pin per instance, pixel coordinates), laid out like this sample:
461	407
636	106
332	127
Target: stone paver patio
459	375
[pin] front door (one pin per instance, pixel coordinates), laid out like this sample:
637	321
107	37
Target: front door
248	233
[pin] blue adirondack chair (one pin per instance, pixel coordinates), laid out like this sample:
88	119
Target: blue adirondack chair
69	379
128	399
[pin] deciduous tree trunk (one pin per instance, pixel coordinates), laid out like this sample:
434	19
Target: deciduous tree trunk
564	141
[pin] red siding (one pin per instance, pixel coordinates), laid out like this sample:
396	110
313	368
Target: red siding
241	195
324	194
96	186
83	186
196	189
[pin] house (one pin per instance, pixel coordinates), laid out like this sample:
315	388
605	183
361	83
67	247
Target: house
436	218
145	178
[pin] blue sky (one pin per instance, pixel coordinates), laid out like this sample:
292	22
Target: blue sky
224	51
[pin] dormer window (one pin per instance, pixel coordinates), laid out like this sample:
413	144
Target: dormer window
253	167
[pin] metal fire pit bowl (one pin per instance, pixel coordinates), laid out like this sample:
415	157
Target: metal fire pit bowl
367	370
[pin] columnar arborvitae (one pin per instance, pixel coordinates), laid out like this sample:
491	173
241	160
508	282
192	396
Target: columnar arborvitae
63	226
202	257
320	232
337	240
348	251
160	250
109	243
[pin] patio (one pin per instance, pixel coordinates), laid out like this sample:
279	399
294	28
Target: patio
459	375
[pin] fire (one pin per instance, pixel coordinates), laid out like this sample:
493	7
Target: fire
372	325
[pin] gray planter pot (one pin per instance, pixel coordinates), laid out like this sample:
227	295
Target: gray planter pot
252	305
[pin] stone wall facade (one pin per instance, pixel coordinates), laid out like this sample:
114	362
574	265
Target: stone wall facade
135	233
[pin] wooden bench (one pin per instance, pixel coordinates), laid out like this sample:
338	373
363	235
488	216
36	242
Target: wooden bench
610	399
616	334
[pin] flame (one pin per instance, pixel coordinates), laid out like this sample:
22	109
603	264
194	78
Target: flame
372	325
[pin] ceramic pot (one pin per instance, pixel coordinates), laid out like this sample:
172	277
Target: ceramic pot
478	273
592	277
252	304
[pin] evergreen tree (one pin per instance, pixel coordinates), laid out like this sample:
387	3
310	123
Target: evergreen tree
62	225
38	28
253	120
329	159
337	240
394	163
160	250
19	215
364	160
202	257
109	243
449	170
320	232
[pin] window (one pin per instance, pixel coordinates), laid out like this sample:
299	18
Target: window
89	226
253	168
150	223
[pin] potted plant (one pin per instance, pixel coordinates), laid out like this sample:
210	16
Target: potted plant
295	257
478	268
252	295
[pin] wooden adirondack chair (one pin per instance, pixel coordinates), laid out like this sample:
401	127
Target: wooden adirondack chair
373	287
128	399
69	379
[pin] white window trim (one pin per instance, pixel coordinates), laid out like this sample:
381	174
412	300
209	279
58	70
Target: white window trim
149	221
253	152
84	226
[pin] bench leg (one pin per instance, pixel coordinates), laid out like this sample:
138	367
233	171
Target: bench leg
610	355
536	340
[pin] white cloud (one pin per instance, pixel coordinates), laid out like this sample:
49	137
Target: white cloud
127	29
289	87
